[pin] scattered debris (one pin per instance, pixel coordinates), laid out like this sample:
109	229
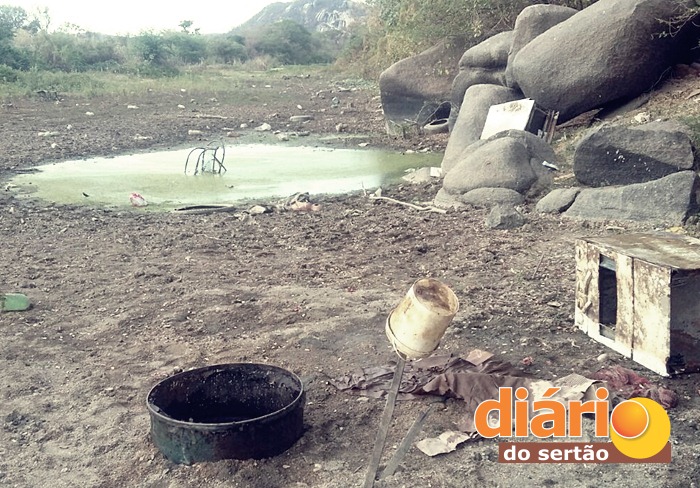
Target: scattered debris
137	200
300	202
444	443
132	107
139	137
264	127
473	379
428	208
551	166
194	132
14	302
210	116
301	118
259	210
629	384
642	118
341	127
89	114
48	134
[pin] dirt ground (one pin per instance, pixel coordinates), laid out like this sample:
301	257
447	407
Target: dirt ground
123	298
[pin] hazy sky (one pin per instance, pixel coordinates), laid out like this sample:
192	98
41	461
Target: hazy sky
134	16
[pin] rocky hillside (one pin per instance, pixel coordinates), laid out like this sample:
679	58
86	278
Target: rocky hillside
316	15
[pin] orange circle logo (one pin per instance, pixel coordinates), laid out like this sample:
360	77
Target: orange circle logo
640	428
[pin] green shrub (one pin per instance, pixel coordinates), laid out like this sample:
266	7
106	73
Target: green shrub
7	74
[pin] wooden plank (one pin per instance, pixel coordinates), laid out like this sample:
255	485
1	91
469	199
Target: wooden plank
405	445
624	329
652	316
384	425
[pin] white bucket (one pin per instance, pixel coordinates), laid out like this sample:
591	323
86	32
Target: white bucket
419	321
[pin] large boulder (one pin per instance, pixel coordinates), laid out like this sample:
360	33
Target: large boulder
669	200
530	23
501	163
484	63
619	155
557	200
472	117
412	89
609	51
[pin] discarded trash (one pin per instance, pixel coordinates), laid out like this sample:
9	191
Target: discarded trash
438	126
210	158
14	302
519	114
301	202
137	200
444	443
227	411
629	384
259	210
473	379
551	166
301	118
419	321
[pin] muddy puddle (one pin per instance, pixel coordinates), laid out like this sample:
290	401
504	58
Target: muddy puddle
253	172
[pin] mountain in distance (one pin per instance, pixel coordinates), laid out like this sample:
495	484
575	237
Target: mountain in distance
314	15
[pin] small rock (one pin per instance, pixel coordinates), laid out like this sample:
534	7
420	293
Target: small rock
89	114
194	132
244	126
283	136
504	217
132	107
341	127
263	127
258	210
603	357
301	118
181	106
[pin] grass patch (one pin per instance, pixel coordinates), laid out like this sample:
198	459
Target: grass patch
238	83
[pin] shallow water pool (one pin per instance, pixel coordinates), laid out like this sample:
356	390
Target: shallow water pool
262	172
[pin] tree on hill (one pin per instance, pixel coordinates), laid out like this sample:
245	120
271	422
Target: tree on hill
11	20
290	43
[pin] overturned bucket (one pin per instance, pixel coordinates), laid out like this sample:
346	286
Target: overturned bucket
227	411
419	321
